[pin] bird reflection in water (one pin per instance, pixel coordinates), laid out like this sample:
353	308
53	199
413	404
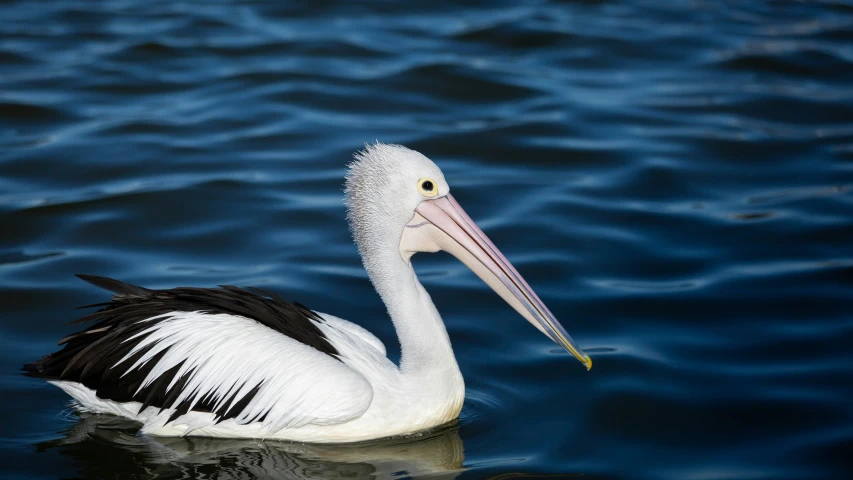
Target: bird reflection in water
107	446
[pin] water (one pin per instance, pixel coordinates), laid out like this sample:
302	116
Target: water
673	179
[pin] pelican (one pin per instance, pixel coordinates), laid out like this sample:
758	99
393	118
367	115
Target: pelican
243	363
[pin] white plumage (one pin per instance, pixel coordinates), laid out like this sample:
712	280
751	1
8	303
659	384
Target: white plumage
298	386
220	371
305	395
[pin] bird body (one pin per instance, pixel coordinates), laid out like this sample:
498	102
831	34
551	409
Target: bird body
363	397
232	362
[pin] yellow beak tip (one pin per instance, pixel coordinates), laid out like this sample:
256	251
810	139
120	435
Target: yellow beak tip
588	363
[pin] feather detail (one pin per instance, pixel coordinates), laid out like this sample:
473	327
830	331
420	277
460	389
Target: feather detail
235	353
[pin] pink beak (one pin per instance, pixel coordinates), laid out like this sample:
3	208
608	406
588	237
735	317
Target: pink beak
464	240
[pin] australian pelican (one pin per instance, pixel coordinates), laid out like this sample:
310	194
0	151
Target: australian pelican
231	362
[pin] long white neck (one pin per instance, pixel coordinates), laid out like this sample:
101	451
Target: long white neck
430	381
424	343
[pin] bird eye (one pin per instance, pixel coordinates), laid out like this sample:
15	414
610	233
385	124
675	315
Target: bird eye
427	187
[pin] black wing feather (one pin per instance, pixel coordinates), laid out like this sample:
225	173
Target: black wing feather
89	355
116	286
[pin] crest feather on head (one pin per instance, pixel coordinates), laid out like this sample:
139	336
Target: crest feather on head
381	195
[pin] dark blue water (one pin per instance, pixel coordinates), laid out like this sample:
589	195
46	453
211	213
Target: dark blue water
673	178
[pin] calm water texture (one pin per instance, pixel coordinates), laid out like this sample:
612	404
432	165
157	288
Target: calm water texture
673	178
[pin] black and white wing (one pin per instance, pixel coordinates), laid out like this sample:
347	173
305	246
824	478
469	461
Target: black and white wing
234	353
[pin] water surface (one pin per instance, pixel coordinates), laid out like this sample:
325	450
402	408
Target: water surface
673	178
